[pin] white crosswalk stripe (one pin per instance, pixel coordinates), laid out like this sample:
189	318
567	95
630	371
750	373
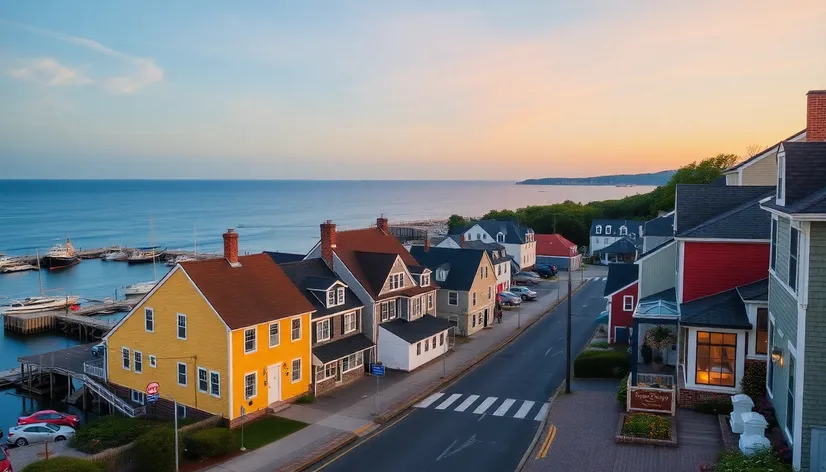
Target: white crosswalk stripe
485	405
429	400
605	279
504	407
449	401
542	412
466	404
524	409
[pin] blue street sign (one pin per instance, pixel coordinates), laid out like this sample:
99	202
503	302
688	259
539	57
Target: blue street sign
152	398
377	370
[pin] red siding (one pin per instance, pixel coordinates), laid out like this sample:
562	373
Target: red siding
710	268
620	317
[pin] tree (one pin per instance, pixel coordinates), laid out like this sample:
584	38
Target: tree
706	172
754	149
457	222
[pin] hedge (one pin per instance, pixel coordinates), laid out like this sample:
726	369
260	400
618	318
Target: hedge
761	461
602	364
156	450
64	464
622	392
212	442
108	432
715	406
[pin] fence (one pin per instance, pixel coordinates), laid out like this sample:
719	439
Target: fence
655	380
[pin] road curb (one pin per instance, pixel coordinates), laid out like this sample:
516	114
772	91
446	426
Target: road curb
400	407
329	449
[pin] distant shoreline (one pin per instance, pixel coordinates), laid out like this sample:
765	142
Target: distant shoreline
619	180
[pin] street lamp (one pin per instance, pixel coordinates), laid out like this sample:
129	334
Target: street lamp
568	333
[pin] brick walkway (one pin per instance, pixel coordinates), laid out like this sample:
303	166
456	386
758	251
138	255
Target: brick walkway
586	421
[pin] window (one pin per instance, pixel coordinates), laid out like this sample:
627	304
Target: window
138	397
322	330
478	236
138	362
430	301
250	385
215	384
349	322
434	341
425	280
628	303
474	298
127	363
396	281
296	371
331	298
392	309
453	298
181	326
607	229
441	339
490	293
419	348
340	296
716	358
181	412
498	270
426	344
295	333
790	398
384	315
794	239
182	374
770	368
781	172
249	341
275	336
473	320
761	344
633	236
149	317
623	231
599	229
500	238
203	381
773	250
153	361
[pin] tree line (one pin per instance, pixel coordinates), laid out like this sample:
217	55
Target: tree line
573	220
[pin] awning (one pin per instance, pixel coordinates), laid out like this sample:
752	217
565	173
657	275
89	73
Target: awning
603	317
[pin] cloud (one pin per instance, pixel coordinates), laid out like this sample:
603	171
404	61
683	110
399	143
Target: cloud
145	71
48	71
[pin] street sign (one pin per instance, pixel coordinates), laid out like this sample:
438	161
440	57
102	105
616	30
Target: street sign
153	392
377	370
152	398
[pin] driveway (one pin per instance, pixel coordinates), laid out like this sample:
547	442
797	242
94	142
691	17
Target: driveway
23	456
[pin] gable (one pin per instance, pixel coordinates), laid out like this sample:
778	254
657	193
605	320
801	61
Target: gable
398	267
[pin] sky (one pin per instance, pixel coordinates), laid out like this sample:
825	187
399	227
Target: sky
398	90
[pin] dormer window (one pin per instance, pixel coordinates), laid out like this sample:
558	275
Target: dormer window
331	298
441	275
599	229
500	237
425	280
623	231
633	236
607	229
335	297
340	296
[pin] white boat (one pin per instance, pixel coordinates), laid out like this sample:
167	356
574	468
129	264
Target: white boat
38	304
179	259
115	256
14	267
139	289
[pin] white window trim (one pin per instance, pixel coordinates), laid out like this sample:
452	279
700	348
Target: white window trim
135	361
625	299
209	383
198	386
254	385
178	327
153	361
146	311
608	229
355	324
340	296
319	330
599	229
452	292
474	298
773	337
300	328
141	400
254	340
269	334
183	407
781	169
353	366
300	368
128	357
782	283
328	303
178	374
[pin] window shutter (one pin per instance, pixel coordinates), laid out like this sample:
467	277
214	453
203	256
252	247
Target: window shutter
314	330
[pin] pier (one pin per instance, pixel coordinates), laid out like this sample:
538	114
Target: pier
81	322
29	262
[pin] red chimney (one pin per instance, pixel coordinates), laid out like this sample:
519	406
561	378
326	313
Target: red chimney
231	247
328	242
462	240
816	115
381	223
426	244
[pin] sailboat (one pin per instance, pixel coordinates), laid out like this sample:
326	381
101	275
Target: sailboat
142	288
41	303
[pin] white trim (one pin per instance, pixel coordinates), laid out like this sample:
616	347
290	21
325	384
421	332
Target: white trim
780	168
300	328
128	357
691	361
722	240
783	284
339	313
254	340
680	274
449	292
152	310
178	374
178	328
210	383
135	362
318	325
229	375
799	361
255	385
624	299
198	385
277	324
344	321
292	370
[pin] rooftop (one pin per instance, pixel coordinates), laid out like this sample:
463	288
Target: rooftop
554	245
620	275
418	329
463	265
723	310
314	274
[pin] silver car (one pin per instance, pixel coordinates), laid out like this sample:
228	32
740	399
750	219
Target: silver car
524	292
525	278
38	432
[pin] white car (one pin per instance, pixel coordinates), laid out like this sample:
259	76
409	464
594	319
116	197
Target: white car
38	432
524	292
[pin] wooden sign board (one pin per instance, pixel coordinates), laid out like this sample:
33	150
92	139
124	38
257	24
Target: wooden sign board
653	400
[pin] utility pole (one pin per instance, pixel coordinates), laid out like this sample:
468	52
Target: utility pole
568	335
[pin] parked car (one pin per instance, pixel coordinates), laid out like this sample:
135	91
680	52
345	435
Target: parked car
50	416
508	298
5	461
545	271
38	432
98	350
524	292
525	278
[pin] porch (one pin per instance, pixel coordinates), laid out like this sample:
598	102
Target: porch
655	344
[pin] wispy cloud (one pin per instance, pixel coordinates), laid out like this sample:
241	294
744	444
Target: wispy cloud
145	71
49	71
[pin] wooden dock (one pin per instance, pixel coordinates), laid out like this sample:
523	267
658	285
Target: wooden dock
82	322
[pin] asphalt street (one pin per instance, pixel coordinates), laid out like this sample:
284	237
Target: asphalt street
486	420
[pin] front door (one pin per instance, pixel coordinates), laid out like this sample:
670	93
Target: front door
338	371
274	383
486	317
818	454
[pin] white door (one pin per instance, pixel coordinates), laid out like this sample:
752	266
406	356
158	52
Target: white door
274	383
818	450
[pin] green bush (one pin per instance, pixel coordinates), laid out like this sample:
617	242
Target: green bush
622	392
647	425
64	464
754	380
306	398
715	406
602	364
212	442
761	461
156	450
599	345
108	432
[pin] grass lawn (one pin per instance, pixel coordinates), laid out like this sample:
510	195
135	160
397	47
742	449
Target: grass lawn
266	430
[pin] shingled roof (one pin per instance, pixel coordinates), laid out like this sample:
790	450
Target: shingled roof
747	221
805	178
554	245
464	264
257	291
313	274
660	226
696	204
723	310
620	275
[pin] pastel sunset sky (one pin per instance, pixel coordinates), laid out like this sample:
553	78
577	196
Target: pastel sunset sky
431	89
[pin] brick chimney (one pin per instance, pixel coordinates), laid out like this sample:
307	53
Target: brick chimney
328	242
462	240
231	247
426	244
816	116
381	223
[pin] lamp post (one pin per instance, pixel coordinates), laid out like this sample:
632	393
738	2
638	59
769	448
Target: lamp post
568	335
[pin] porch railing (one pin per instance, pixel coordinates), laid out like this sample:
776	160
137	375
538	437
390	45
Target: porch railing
94	368
661	380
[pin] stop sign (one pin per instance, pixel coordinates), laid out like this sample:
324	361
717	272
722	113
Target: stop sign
153	388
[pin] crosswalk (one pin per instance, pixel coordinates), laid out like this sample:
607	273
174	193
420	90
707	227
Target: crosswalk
512	408
597	279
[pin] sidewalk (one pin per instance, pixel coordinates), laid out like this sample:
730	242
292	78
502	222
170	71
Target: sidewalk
350	411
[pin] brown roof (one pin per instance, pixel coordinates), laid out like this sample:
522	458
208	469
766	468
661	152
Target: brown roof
353	245
256	292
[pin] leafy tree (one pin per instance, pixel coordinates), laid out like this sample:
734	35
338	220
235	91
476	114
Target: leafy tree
457	222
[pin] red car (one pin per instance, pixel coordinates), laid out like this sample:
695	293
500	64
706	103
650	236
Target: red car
5	462
50	416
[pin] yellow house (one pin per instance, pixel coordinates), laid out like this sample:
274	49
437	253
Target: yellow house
217	336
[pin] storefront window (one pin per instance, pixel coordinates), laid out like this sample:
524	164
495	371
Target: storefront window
716	358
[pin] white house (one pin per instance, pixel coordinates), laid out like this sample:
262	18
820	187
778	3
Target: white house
606	232
518	241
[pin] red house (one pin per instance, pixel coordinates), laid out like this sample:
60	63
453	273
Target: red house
555	250
621	290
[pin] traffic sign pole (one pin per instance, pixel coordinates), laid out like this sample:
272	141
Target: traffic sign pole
377	370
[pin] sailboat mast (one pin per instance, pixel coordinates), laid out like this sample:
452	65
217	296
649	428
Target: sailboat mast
39	272
195	238
152	242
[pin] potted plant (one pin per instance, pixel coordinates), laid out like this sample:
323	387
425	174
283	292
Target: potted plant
658	361
647	353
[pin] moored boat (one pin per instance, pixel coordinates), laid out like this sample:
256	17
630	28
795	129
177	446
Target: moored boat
38	304
142	255
177	260
117	255
60	257
139	289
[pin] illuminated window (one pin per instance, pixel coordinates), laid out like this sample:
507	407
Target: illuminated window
716	358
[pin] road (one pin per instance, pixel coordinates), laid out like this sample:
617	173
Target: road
486	420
